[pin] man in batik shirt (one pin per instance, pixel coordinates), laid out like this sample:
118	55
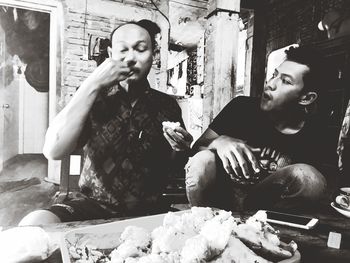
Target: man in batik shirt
117	118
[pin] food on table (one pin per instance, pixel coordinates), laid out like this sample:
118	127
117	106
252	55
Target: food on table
262	238
170	124
135	242
237	251
200	235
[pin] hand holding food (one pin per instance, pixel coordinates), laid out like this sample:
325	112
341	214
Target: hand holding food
109	73
170	124
178	137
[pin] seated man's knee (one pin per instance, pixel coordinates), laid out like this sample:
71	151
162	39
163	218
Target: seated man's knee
309	178
39	217
201	169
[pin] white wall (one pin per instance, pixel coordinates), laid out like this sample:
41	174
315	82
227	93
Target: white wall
35	118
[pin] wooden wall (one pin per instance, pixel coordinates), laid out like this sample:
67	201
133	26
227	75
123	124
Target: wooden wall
279	23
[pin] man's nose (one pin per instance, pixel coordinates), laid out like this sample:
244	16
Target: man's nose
271	84
130	58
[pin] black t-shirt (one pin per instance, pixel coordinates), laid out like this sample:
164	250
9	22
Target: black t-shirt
243	119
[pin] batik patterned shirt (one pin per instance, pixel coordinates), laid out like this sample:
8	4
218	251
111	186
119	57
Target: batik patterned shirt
126	157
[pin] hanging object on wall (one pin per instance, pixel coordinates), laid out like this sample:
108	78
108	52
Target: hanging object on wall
27	35
187	32
97	49
37	74
30	19
336	23
343	149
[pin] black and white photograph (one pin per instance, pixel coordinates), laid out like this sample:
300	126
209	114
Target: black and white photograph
174	131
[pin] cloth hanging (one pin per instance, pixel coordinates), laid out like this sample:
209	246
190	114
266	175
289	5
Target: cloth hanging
344	140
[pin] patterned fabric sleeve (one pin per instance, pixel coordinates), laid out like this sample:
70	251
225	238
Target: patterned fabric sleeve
344	138
84	135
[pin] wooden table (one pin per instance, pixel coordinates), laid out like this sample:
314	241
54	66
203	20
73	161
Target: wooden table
312	244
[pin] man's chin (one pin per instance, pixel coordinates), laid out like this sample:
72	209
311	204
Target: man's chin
265	106
133	80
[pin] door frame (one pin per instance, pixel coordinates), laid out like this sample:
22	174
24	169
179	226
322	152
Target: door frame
55	9
2	115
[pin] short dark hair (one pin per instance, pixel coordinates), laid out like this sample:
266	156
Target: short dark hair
152	28
315	78
318	78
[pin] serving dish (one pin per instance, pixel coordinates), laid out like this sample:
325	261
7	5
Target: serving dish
106	236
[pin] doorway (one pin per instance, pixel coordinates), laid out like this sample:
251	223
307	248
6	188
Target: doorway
24	82
33	90
29	80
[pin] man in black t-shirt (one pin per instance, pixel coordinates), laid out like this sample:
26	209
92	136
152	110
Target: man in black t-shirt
265	154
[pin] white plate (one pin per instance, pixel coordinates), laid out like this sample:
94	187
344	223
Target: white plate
106	236
342	211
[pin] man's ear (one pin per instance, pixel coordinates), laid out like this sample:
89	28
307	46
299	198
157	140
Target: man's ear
109	51
307	98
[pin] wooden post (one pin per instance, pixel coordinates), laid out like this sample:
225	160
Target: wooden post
161	74
259	50
221	49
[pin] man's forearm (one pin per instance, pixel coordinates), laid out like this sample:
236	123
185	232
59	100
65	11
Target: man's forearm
202	144
64	131
205	140
212	145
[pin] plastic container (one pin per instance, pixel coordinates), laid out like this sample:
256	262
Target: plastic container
106	236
